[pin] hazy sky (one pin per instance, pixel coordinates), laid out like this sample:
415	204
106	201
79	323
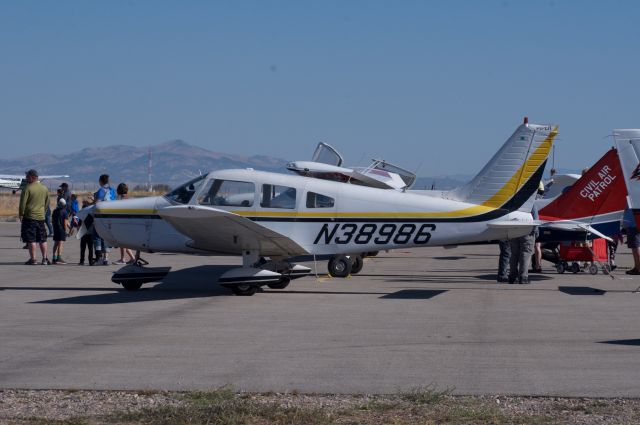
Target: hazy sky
432	84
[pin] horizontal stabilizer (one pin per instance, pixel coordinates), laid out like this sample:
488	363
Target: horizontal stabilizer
514	224
574	227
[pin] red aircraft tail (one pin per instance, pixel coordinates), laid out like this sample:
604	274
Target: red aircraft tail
601	190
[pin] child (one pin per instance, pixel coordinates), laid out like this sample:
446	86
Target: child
123	193
60	223
73	214
86	241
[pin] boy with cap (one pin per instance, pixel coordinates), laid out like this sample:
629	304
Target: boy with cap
34	200
59	218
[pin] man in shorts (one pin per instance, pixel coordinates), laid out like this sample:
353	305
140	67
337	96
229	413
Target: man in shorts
34	200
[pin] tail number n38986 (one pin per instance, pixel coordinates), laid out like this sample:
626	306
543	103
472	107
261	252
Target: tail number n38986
379	234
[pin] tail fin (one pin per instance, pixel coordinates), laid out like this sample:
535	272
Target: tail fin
628	144
513	174
601	190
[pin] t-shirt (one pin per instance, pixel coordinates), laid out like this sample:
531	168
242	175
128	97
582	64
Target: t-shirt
105	193
34	200
58	217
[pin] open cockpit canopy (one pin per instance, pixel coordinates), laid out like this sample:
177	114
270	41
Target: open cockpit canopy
326	164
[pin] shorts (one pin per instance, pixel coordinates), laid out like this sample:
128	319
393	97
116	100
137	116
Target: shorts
59	234
32	231
633	238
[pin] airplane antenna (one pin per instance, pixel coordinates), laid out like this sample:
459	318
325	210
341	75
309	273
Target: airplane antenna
149	168
553	157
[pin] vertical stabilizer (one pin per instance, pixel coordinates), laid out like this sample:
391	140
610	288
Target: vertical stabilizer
513	174
601	190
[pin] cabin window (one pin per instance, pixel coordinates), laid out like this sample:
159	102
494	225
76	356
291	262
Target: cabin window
183	194
228	193
274	196
316	200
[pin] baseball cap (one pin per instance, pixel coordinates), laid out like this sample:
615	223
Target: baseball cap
32	172
64	185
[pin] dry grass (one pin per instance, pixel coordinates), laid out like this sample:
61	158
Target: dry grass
424	406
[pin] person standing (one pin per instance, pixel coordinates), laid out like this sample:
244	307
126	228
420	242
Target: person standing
60	220
34	201
521	251
86	241
104	194
66	194
503	261
122	192
633	240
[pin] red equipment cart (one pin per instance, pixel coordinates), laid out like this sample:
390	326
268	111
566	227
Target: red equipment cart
581	251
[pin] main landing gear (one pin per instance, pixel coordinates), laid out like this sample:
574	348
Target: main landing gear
343	265
256	271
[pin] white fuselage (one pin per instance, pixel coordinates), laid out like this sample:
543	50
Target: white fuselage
344	219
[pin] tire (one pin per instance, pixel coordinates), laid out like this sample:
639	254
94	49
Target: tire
560	268
284	282
593	269
339	266
356	264
132	286
575	267
243	290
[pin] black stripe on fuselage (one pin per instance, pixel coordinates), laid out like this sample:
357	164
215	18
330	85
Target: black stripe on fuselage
515	202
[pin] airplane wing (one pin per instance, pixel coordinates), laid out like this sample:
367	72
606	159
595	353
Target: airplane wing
217	230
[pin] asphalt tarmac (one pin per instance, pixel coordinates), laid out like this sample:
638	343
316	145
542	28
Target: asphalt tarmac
411	319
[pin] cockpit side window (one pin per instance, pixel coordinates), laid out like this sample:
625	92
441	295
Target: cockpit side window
183	194
274	196
228	193
316	200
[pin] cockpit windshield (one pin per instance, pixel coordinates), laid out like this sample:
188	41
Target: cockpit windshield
183	194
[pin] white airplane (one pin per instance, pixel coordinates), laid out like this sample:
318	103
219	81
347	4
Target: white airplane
271	218
628	145
17	182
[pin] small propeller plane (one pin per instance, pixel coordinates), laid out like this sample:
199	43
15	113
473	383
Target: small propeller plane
17	182
271	218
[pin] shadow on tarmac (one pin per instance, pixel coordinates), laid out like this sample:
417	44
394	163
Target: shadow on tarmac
634	342
193	282
453	257
532	277
581	290
414	294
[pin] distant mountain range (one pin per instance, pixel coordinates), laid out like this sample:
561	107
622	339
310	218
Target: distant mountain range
174	162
